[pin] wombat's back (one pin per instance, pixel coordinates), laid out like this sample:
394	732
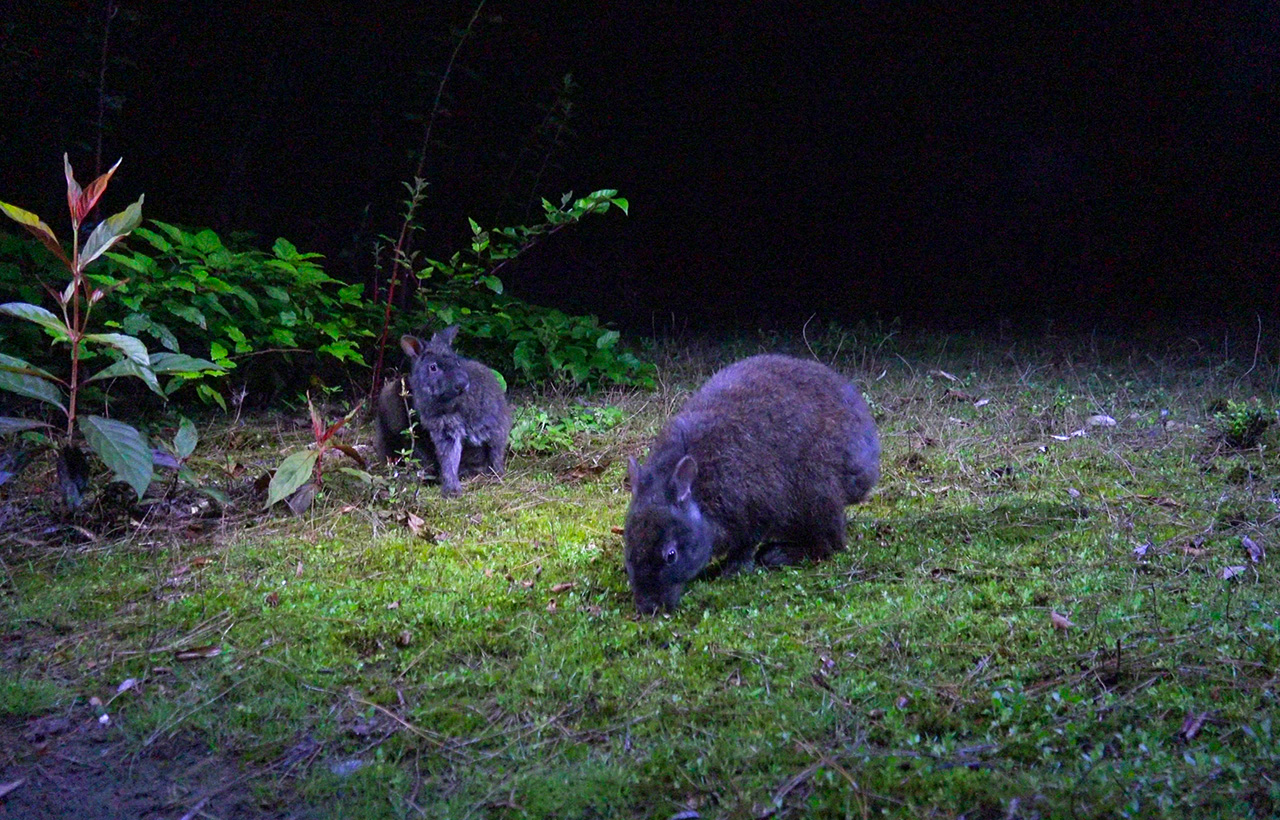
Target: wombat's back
773	422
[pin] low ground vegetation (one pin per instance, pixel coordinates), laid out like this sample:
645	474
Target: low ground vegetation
1058	602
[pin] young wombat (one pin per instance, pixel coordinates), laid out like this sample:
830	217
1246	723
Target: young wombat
762	459
460	407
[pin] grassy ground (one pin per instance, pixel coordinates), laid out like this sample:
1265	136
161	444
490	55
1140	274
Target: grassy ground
1031	620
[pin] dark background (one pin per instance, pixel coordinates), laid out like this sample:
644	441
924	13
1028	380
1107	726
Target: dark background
959	164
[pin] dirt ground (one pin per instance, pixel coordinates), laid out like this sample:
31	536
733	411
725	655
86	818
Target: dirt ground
72	766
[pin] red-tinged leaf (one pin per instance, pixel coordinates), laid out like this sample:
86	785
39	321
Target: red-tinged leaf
317	426
1060	621
272	600
617	530
1230	572
196	653
91	194
40	230
74	194
1255	550
353	452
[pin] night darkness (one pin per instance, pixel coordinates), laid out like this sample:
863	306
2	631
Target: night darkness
950	164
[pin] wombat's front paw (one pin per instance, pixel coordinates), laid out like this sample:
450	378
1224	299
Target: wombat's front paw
450	490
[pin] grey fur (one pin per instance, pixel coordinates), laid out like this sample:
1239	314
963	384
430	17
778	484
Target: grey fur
759	464
459	405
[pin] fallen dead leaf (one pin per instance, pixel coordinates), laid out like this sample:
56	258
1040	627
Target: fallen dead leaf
297	573
617	530
1192	725
197	652
272	599
1141	550
1060	621
1230	572
551	605
404	638
558	588
5	788
394	604
903	701
1101	420
416	524
1255	550
957	395
126	685
981	402
944	374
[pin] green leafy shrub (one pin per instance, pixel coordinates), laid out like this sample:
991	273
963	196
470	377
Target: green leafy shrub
536	343
534	429
1243	423
190	289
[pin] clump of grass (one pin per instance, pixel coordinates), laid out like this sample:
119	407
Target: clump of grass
1031	619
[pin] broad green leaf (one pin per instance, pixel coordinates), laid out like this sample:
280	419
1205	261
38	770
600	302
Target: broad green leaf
292	473
15	365
8	424
207	241
41	231
128	367
493	283
207	393
181	363
127	345
607	339
122	448
37	314
155	240
33	387
110	231
184	443
191	314
475	227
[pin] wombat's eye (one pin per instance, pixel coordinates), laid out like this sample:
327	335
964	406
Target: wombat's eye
432	367
671	554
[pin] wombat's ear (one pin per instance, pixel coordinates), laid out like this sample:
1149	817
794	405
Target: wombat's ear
445	337
411	345
682	478
633	475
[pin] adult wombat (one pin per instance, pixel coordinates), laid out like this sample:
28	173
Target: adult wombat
765	455
460	407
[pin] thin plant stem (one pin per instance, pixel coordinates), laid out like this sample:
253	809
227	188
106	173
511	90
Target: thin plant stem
398	259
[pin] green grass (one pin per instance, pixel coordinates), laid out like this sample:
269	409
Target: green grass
493	666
